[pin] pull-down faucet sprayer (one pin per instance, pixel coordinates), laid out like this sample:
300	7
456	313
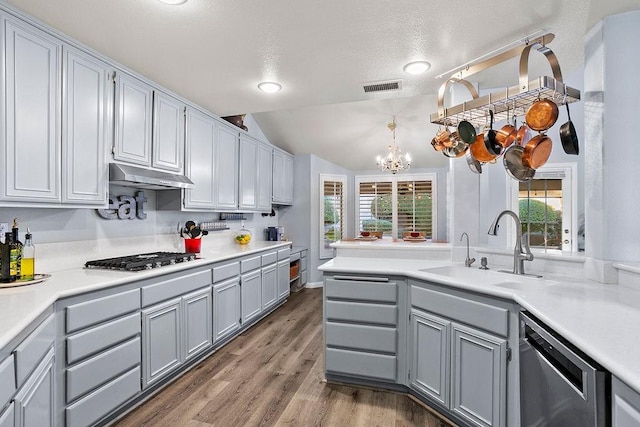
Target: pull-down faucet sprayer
521	251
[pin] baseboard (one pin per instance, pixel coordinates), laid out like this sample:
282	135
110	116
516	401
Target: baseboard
312	285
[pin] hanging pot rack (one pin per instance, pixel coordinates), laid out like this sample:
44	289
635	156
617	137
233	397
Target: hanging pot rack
511	101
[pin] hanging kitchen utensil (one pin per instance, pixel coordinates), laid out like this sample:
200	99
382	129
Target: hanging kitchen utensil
523	135
516	169
480	152
542	114
513	136
537	151
473	163
467	132
457	149
436	145
490	140
568	136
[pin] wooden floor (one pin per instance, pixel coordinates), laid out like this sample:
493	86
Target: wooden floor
272	375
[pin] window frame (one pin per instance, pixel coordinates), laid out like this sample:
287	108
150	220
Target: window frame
569	198
394	179
327	253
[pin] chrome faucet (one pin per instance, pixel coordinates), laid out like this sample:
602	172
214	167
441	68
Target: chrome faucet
468	261
519	256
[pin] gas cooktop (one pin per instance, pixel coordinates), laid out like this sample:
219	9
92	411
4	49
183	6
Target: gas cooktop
141	261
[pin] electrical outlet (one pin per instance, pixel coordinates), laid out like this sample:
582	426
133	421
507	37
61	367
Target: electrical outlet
4	228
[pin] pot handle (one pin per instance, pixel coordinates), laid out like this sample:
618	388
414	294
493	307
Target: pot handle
443	88
524	64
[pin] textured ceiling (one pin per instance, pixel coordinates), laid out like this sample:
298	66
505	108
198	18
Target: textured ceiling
215	52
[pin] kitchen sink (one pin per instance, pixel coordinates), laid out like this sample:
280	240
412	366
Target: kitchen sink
476	276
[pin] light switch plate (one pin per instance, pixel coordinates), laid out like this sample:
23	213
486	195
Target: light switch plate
4	228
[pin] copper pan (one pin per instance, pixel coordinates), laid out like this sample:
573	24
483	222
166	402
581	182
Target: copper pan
480	152
542	114
537	151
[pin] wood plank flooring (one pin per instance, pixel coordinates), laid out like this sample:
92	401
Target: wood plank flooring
272	375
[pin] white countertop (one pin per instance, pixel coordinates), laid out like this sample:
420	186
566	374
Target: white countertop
601	320
19	306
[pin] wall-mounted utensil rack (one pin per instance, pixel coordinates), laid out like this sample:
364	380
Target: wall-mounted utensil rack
511	101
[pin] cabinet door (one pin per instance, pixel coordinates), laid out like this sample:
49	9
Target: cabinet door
86	128
30	90
161	339
197	322
199	165
226	308
278	176
478	376
269	286
7	417
430	361
251	295
288	179
34	403
248	173
226	167
625	405
168	132
283	280
133	106
264	177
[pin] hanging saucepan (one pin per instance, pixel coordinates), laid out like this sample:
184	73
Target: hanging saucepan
467	132
490	140
537	151
523	135
458	148
436	145
474	164
480	152
506	135
542	114
512	160
568	136
443	137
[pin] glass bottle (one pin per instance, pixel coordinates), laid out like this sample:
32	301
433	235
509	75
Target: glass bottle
5	255
18	248
28	267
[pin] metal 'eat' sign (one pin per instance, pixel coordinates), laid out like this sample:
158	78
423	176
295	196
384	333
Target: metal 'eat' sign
125	207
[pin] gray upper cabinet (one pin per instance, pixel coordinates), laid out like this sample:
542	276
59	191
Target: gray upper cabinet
201	135
168	132
248	172
86	128
265	177
30	90
133	113
225	169
282	177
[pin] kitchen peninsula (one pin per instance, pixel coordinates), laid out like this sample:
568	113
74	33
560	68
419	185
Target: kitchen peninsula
401	301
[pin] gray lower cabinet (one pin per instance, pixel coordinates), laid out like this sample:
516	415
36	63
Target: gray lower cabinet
197	322
34	403
269	286
251	295
625	411
7	417
161	339
284	288
226	308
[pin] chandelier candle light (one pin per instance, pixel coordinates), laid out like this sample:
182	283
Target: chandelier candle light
394	160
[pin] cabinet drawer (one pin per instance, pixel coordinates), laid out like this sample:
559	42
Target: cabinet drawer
93	372
480	315
99	403
31	351
7	380
361	337
284	253
250	264
224	272
171	288
98	310
270	258
379	366
95	339
361	312
361	290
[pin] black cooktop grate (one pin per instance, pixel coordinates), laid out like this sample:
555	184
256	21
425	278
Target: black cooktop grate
141	261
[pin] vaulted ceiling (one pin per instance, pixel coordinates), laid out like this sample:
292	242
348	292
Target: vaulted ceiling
215	52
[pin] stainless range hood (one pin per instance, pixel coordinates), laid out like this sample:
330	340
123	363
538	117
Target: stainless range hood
133	176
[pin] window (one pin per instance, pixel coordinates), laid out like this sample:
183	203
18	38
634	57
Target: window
546	207
395	205
332	210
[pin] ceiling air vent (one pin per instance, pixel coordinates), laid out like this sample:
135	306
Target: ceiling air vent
382	86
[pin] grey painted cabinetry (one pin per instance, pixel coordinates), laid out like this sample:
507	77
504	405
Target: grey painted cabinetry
162	339
265	177
282	177
199	162
34	403
269	278
225	169
168	133
7	416
251	295
255	175
284	288
459	354
625	403
226	308
361	327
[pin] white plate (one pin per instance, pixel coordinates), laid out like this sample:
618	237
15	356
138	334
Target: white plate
37	278
367	238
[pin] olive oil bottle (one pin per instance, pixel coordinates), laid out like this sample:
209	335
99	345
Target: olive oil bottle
27	267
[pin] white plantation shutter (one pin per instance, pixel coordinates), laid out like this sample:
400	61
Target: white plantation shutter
415	207
375	206
332	212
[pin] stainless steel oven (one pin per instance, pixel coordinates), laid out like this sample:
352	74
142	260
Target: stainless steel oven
559	385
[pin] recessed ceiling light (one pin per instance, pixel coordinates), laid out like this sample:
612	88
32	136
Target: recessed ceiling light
416	67
269	87
173	2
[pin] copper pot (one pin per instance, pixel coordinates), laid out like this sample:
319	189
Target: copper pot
504	135
436	145
457	149
542	114
523	135
480	152
443	137
537	151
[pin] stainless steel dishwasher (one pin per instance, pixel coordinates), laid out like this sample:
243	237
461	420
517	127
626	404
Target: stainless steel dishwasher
559	386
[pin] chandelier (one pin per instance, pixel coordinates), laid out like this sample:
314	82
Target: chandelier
394	161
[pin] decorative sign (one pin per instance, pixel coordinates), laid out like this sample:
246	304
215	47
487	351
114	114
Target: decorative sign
125	207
